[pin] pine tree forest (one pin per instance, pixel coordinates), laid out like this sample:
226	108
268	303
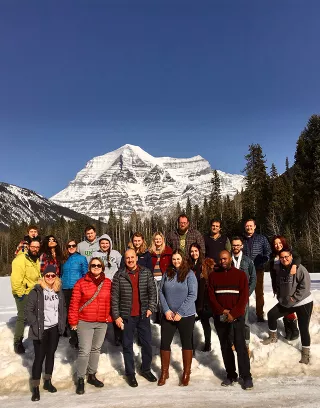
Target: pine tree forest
286	204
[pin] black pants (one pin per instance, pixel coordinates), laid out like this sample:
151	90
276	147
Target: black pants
45	349
237	328
73	333
185	327
144	334
303	313
205	322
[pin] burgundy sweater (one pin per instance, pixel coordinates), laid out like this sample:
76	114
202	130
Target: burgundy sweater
229	289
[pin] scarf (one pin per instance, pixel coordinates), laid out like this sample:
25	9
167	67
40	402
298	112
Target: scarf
95	280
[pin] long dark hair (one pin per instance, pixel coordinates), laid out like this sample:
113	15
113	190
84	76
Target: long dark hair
66	253
284	242
191	260
183	269
46	250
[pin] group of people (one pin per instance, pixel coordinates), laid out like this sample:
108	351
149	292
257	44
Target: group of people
77	292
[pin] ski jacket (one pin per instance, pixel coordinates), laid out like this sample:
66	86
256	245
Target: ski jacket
25	274
74	268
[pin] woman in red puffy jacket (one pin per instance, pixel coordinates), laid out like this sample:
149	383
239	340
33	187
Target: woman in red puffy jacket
89	313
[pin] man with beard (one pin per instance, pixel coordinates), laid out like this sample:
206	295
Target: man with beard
229	295
244	263
182	238
25	274
215	242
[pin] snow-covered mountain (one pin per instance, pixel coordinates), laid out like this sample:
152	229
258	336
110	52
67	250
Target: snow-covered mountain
130	179
20	204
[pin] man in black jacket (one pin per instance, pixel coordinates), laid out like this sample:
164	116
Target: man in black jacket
134	299
215	242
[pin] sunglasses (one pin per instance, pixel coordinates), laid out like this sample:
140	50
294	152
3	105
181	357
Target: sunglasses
72	246
50	275
52	240
96	266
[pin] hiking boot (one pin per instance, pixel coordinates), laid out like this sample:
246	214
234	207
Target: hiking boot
229	381
247	384
48	386
93	380
305	355
80	386
273	338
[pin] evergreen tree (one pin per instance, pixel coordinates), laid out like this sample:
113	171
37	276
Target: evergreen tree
189	209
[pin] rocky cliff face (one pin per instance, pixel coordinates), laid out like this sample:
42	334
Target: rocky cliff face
130	179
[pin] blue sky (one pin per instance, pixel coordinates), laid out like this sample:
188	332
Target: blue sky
176	77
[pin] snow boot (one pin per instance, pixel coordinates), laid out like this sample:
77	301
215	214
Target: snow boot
273	338
305	355
165	362
93	380
35	393
48	385
80	386
187	360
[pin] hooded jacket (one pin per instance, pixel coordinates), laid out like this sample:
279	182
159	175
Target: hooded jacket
114	258
75	267
34	313
25	274
87	248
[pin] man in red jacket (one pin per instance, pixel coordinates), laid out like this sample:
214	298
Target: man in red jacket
229	295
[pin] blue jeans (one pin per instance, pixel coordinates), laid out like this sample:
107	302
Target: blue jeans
142	324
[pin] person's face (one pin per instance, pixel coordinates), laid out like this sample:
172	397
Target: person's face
215	228
104	245
194	252
91	235
137	242
176	260
50	278
158	241
250	227
34	248
130	260
285	258
33	233
183	224
96	267
236	246
72	247
225	260
278	245
52	242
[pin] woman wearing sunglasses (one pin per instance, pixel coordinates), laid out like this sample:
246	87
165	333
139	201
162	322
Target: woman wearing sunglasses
74	267
50	254
89	314
46	314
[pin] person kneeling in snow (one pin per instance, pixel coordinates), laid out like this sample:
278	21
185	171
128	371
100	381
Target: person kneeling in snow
293	293
46	314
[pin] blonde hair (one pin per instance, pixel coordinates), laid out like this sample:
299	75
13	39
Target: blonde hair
152	248
143	247
56	285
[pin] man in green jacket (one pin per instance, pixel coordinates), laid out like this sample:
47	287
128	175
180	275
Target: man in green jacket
25	274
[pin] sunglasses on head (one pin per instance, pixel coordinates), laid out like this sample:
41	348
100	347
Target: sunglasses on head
96	266
72	246
52	240
50	275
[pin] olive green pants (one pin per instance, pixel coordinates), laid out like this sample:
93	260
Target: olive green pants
20	303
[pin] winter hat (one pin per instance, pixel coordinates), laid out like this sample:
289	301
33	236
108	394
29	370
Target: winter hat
50	269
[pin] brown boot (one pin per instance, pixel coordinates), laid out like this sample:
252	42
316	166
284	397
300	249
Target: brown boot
187	360
305	355
165	362
273	338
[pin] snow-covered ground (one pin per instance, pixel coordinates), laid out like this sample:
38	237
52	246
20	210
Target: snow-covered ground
279	380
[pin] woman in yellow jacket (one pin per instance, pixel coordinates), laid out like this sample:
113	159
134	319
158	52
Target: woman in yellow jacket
25	274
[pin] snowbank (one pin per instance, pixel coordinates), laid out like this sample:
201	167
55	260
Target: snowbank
270	365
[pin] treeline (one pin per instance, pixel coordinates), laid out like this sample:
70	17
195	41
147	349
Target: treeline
287	204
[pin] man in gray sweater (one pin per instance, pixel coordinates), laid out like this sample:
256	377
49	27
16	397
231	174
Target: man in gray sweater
294	296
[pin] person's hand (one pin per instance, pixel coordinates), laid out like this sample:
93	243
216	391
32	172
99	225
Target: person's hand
169	315
226	311
293	270
74	327
149	313
119	322
177	317
230	318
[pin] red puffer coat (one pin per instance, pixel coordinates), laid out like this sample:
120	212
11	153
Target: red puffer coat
165	259
96	311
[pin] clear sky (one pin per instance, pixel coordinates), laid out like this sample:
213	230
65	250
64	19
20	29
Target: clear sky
176	77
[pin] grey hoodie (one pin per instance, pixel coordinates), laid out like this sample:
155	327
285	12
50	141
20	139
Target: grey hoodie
292	289
86	248
51	305
114	258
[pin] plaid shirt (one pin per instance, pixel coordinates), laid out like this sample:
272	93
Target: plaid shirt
173	240
45	261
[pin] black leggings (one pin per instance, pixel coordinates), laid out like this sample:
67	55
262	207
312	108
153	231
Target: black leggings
185	327
303	313
45	349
